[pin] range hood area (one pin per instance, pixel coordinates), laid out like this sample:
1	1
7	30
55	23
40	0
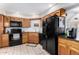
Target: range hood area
32	28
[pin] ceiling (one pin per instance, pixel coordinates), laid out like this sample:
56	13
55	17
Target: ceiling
35	10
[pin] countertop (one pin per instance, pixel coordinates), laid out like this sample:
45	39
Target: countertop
70	39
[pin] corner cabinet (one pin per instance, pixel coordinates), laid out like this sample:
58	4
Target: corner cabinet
25	22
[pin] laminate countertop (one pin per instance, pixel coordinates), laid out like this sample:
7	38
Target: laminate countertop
70	39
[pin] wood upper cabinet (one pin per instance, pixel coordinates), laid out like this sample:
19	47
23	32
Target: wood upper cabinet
25	22
25	37
15	19
5	40
7	21
1	24
33	37
62	12
58	13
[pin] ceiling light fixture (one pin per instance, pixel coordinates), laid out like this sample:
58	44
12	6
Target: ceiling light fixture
50	5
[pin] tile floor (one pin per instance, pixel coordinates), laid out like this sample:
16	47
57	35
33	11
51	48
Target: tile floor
24	49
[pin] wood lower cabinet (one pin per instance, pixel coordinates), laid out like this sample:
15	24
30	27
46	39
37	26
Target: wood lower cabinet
25	37
74	51
5	40
63	50
33	37
68	47
0	42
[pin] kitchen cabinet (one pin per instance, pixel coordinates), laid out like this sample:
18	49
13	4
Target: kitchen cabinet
16	19
74	51
0	42
63	50
13	19
68	46
62	12
7	21
5	40
33	37
25	22
58	13
25	37
1	24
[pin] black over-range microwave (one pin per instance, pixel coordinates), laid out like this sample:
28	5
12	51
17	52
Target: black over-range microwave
15	24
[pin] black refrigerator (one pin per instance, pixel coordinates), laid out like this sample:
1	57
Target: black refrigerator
49	39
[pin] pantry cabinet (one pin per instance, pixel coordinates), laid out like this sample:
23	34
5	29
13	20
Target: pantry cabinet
33	37
25	37
5	40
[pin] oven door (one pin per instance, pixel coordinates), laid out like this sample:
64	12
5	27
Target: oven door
15	39
16	36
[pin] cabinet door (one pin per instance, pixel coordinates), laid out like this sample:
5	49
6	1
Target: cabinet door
13	19
1	23
25	22
62	12
33	37
58	13
5	40
74	51
0	42
24	37
62	49
7	21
